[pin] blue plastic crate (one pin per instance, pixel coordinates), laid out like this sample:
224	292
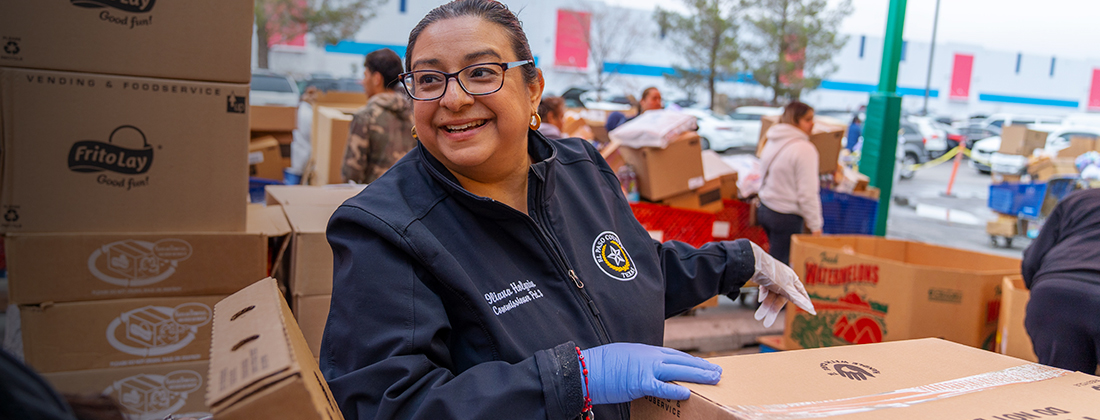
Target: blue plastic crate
1023	200
847	214
256	188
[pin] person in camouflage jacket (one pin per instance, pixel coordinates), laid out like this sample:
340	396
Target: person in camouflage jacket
381	132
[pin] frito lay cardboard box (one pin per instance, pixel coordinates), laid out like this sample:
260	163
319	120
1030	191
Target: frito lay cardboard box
144	392
828	140
915	379
93	153
273	118
1012	338
868	289
663	173
263	366
1019	140
116	333
195	40
62	267
312	314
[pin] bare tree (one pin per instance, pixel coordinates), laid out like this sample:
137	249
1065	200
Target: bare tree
611	37
328	20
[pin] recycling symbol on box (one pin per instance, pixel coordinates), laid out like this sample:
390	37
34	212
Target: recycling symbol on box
11	215
11	47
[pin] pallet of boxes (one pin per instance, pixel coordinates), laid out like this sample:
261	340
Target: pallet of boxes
125	142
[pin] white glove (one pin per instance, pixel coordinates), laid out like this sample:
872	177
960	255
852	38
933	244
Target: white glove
778	283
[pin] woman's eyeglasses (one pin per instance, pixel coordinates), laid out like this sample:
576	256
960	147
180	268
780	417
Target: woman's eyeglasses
475	79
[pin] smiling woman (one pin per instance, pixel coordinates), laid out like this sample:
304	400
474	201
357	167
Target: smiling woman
493	273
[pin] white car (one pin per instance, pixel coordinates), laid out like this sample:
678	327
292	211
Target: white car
1004	120
935	137
746	123
986	155
268	88
717	132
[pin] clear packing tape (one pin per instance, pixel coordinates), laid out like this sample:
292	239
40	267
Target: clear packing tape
1032	372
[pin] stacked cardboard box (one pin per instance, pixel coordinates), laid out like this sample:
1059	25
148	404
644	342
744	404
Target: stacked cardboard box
123	193
1021	141
1079	145
309	257
1044	168
1012	337
674	174
828	139
332	115
272	130
868	289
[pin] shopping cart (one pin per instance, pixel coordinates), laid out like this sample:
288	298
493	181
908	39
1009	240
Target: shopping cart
1031	203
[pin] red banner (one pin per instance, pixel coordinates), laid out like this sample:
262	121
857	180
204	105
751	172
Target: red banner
1094	92
960	77
571	48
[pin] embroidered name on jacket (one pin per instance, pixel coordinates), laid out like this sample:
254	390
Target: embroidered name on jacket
609	253
517	293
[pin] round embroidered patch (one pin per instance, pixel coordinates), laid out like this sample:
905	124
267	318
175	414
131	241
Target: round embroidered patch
611	256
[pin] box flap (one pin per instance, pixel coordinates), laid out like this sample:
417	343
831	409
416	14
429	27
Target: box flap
269	221
913	253
248	350
322	195
309	219
714	166
261	143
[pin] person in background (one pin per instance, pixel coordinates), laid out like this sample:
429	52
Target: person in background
855	130
790	193
651	99
1061	267
493	273
381	132
301	147
552	113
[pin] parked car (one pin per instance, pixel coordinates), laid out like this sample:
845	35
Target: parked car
746	122
975	131
986	155
1002	120
584	97
717	132
911	143
933	133
270	88
327	83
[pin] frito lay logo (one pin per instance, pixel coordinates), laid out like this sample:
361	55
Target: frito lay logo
849	370
97	156
133	263
612	258
157	330
146	396
132	6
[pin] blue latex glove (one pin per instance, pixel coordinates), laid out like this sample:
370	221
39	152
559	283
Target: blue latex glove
623	372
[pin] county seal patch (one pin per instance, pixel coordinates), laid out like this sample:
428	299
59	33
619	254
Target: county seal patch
611	256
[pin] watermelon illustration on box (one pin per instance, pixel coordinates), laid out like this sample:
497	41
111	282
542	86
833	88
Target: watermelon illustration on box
868	289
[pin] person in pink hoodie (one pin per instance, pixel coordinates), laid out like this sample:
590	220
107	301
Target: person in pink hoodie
790	196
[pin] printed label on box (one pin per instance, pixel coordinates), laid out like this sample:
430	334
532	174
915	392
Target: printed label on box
92	156
850	318
132	263
154	397
11	48
157	330
140	9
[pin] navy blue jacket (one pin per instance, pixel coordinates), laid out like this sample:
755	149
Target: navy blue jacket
1068	245
448	305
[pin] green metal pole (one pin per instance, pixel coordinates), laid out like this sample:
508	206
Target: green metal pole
880	136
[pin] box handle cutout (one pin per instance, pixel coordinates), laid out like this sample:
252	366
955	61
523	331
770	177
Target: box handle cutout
245	341
238	314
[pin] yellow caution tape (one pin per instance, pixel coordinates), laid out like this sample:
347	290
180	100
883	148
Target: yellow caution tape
946	157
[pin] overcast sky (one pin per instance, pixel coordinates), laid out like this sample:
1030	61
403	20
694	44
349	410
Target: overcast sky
1063	28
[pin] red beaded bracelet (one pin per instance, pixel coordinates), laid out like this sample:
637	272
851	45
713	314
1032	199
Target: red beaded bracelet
587	410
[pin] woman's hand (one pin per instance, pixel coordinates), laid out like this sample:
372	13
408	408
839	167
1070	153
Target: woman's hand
778	283
623	372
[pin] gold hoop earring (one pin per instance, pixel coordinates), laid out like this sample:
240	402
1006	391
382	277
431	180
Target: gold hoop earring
536	122
414	133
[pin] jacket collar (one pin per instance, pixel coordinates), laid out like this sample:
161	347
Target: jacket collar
543	156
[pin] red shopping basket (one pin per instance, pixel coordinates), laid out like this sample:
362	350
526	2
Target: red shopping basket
736	213
697	228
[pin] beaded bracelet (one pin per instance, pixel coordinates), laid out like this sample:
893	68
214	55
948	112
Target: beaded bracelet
587	410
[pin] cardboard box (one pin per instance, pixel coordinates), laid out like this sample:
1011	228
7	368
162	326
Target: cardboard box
1012	338
707	198
62	267
868	289
916	379
1021	141
663	173
1079	145
1004	225
263	363
869	192
310	253
273	118
116	333
312	315
1046	168
331	130
264	159
715	168
999	178
194	40
94	153
307	195
144	392
827	138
